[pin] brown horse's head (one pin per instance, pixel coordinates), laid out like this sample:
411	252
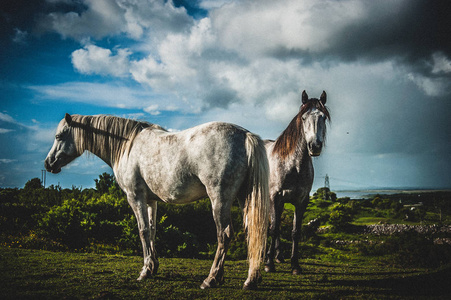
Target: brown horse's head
309	124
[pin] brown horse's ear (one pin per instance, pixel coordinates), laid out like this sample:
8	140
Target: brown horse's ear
68	119
323	98
304	97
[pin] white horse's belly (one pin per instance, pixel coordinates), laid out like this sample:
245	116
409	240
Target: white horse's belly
180	192
191	193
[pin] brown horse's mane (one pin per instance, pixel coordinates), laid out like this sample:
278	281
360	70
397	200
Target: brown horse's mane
288	141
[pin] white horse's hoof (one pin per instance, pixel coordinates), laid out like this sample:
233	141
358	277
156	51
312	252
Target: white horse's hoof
144	274
205	285
251	286
211	283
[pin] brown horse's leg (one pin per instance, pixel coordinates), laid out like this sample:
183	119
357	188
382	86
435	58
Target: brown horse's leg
296	236
274	231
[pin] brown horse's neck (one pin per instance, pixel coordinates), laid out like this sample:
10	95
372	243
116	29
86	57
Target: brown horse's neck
291	139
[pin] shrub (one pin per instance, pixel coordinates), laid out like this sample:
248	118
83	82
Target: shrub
76	221
340	217
67	223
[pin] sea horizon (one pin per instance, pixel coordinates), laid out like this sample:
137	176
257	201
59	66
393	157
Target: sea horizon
370	192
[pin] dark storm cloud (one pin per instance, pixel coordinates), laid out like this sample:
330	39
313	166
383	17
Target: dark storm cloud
410	34
413	34
17	14
24	14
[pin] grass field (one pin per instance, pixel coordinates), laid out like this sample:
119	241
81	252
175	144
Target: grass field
370	220
37	274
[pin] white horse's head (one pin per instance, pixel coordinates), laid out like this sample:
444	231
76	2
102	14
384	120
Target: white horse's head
314	116
64	149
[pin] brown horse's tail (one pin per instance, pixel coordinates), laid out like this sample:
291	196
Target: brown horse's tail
256	210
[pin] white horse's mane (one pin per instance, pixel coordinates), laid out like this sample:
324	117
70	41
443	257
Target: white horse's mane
107	136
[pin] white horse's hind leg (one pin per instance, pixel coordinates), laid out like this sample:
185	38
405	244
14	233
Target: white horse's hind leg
146	218
221	215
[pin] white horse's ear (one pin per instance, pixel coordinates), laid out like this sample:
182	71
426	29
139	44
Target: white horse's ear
323	97
304	97
68	119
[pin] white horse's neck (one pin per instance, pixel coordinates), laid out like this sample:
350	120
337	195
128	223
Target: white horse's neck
107	137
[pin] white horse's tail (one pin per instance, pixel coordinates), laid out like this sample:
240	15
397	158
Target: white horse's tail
256	210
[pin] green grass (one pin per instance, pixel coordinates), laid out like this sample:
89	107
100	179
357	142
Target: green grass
370	220
31	274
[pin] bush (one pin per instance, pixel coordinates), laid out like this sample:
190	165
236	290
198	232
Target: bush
77	222
67	223
173	242
340	217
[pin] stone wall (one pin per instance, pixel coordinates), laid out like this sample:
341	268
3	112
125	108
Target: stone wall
389	229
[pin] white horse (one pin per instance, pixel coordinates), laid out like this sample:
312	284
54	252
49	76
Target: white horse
292	174
219	160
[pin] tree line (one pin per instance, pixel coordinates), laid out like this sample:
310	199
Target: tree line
100	220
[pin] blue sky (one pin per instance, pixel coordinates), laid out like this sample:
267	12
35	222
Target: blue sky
386	67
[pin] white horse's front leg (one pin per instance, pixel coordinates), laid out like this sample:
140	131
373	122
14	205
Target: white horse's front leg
151	263
146	218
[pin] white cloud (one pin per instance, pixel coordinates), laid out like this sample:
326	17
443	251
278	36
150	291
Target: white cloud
102	18
7	161
153	110
96	60
111	17
113	94
157	17
271	26
4	130
441	63
134	116
20	36
437	83
181	66
212	4
7	118
37	139
431	86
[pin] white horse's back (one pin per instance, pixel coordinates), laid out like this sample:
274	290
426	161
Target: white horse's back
178	166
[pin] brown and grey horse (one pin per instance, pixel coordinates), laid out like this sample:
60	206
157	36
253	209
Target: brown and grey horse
218	160
291	171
